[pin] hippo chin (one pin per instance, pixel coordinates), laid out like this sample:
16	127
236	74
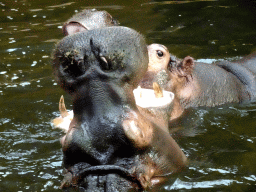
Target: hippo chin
197	84
110	145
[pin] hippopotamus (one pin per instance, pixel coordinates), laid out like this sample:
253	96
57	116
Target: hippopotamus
110	145
86	20
197	84
154	104
159	58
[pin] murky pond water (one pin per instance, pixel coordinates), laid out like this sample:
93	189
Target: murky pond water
220	142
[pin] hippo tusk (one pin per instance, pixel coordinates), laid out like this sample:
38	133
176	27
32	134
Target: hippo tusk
62	108
157	90
65	118
140	91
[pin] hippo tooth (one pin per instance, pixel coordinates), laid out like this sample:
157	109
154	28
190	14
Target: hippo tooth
157	90
65	118
62	107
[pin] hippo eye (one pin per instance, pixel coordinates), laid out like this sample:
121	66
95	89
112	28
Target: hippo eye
160	53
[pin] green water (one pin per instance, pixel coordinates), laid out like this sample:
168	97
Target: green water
220	142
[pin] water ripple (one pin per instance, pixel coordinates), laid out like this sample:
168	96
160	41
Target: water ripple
179	185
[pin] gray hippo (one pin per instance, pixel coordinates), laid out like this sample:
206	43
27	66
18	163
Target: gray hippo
110	145
86	20
199	84
154	104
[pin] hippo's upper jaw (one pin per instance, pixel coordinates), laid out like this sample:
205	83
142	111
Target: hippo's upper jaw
108	138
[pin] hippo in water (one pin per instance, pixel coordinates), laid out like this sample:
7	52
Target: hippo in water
91	19
86	20
110	145
154	106
197	84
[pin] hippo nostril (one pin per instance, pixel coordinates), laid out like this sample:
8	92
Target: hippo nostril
75	68
103	59
73	63
172	64
104	64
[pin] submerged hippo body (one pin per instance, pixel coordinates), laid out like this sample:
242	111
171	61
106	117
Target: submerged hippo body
86	20
110	146
199	84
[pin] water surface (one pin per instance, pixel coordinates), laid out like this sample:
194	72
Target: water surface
220	141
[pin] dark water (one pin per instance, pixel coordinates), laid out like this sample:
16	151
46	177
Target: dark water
220	142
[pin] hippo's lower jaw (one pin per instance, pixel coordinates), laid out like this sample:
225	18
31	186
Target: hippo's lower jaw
109	178
101	176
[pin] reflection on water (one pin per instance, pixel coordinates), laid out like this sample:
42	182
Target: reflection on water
220	142
222	154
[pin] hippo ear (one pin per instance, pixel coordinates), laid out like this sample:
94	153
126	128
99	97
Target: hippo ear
72	27
187	66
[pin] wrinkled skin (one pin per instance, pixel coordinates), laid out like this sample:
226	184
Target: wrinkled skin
91	19
86	20
199	84
159	114
110	146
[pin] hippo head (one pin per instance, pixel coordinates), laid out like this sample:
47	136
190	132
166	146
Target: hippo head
109	145
172	74
165	68
86	20
159	58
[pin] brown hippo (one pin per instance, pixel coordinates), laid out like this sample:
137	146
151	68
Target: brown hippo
110	145
199	84
86	20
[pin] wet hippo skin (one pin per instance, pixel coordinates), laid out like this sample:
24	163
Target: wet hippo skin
159	112
110	146
86	20
199	84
